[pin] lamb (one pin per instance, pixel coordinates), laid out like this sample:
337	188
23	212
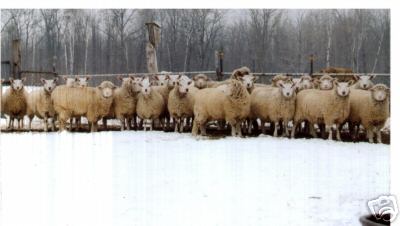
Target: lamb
200	81
150	103
371	109
39	103
15	102
336	70
331	107
232	106
274	105
181	102
363	82
92	102
124	103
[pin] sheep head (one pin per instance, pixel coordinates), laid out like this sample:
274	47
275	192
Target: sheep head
342	88
107	89
49	85
17	84
380	92
364	81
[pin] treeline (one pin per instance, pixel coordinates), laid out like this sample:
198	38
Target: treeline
266	40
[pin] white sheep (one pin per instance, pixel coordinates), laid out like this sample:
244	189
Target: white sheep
201	81
324	83
331	107
92	102
363	82
181	101
150	103
371	109
232	106
40	104
274	105
304	82
15	102
124	103
70	82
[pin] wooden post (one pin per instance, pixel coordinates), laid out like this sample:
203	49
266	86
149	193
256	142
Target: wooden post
219	64
153	31
16	59
311	64
54	63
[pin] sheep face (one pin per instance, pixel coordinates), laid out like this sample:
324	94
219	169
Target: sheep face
342	88
49	85
70	82
82	82
184	84
17	84
248	80
306	82
287	89
365	81
326	83
173	80
107	89
380	92
200	81
145	85
162	80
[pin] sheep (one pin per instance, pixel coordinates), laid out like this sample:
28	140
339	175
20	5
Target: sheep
82	81
92	102
324	83
15	102
70	82
371	109
166	84
280	77
124	103
274	105
304	82
39	104
363	82
331	107
232	106
150	104
336	70
181	101
200	81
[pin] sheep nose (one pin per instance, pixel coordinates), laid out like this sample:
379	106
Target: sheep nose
187	90
287	94
343	92
145	90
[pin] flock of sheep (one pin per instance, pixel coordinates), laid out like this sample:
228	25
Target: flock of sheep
239	102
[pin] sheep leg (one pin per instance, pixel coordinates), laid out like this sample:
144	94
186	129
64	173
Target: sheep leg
135	122
294	129
151	124
338	129
18	123
276	129
312	131
30	123
128	123
379	135
203	129
249	126
9	123
78	123
233	129
45	123
182	125
93	127
285	125
195	129
370	135
71	121
122	121
329	128
239	129
263	129
53	124
104	123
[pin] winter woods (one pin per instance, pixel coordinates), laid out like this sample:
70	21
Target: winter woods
267	40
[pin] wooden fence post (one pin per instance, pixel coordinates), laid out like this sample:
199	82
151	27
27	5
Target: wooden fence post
311	64
16	59
153	30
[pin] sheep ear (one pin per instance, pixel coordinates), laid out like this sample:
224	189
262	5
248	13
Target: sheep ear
119	77
167	77
76	79
11	80
255	78
350	82
55	80
180	75
196	77
356	77
43	80
87	78
132	77
372	77
156	78
23	79
335	82
65	78
190	82
280	84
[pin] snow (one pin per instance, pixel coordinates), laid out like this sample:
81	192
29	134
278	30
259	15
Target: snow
157	178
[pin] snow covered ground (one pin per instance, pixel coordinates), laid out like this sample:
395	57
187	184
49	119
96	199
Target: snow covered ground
157	178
